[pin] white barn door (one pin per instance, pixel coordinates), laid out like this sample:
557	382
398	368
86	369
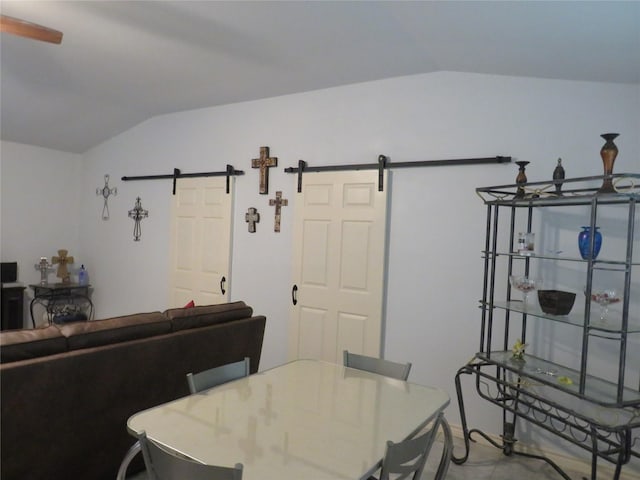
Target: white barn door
338	265
200	241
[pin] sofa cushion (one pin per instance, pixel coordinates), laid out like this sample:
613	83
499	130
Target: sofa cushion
200	316
30	343
112	330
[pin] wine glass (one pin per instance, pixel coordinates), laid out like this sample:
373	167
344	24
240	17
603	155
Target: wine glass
524	284
604	298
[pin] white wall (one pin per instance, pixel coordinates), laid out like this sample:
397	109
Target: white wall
40	196
437	222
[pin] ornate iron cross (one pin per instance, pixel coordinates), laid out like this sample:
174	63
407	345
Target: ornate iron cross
105	192
44	267
138	213
252	217
278	202
263	163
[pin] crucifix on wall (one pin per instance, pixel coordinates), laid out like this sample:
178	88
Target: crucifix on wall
252	217
106	191
278	202
263	163
137	213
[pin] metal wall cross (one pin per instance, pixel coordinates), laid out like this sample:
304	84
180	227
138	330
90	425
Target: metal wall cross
263	163
105	192
278	202
252	217
138	213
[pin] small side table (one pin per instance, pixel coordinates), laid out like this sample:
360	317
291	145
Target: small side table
55	297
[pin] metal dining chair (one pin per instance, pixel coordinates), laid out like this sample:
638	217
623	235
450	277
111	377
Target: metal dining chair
416	449
380	366
407	459
218	375
197	382
129	456
164	465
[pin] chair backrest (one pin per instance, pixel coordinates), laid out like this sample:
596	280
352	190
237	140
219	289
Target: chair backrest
218	375
377	365
164	465
406	459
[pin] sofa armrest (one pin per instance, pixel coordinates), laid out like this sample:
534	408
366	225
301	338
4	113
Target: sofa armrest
201	316
114	330
18	345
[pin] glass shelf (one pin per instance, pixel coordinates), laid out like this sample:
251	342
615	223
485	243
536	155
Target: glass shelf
610	326
562	378
596	264
575	191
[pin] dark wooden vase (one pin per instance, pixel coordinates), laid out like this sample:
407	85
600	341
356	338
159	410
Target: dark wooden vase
521	178
608	152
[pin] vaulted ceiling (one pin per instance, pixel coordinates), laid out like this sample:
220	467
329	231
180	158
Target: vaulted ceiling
122	62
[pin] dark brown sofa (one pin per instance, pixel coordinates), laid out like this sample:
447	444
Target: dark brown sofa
68	390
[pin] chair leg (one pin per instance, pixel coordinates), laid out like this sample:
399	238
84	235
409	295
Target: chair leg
447	450
132	452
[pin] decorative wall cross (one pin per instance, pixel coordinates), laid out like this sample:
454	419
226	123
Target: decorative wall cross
138	213
278	202
263	163
105	192
252	217
44	267
62	259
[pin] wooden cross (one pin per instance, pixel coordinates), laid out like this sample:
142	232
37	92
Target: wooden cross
62	260
278	202
263	163
252	217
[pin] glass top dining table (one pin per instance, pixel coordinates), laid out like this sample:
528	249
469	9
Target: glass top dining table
306	419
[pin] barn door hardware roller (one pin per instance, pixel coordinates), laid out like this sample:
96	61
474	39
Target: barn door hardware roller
383	162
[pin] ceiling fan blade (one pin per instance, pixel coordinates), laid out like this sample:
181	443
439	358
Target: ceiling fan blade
29	30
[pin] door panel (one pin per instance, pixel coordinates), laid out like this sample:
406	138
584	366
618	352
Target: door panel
338	265
312	321
355	255
200	241
315	254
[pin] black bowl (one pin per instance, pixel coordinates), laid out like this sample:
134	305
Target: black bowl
556	302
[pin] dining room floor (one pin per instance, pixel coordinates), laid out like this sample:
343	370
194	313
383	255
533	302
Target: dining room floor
489	463
484	463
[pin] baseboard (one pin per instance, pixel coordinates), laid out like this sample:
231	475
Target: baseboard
565	462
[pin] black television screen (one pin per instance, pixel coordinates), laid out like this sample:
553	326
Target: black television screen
8	272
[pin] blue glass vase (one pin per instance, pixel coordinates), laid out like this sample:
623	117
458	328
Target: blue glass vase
584	238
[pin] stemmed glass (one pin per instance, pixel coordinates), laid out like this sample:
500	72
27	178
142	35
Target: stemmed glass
604	298
524	284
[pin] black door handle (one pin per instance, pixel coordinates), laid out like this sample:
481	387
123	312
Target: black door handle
222	281
294	295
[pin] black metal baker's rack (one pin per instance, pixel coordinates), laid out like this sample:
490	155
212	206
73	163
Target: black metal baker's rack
599	415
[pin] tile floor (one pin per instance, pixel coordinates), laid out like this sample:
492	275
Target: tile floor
484	463
488	463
